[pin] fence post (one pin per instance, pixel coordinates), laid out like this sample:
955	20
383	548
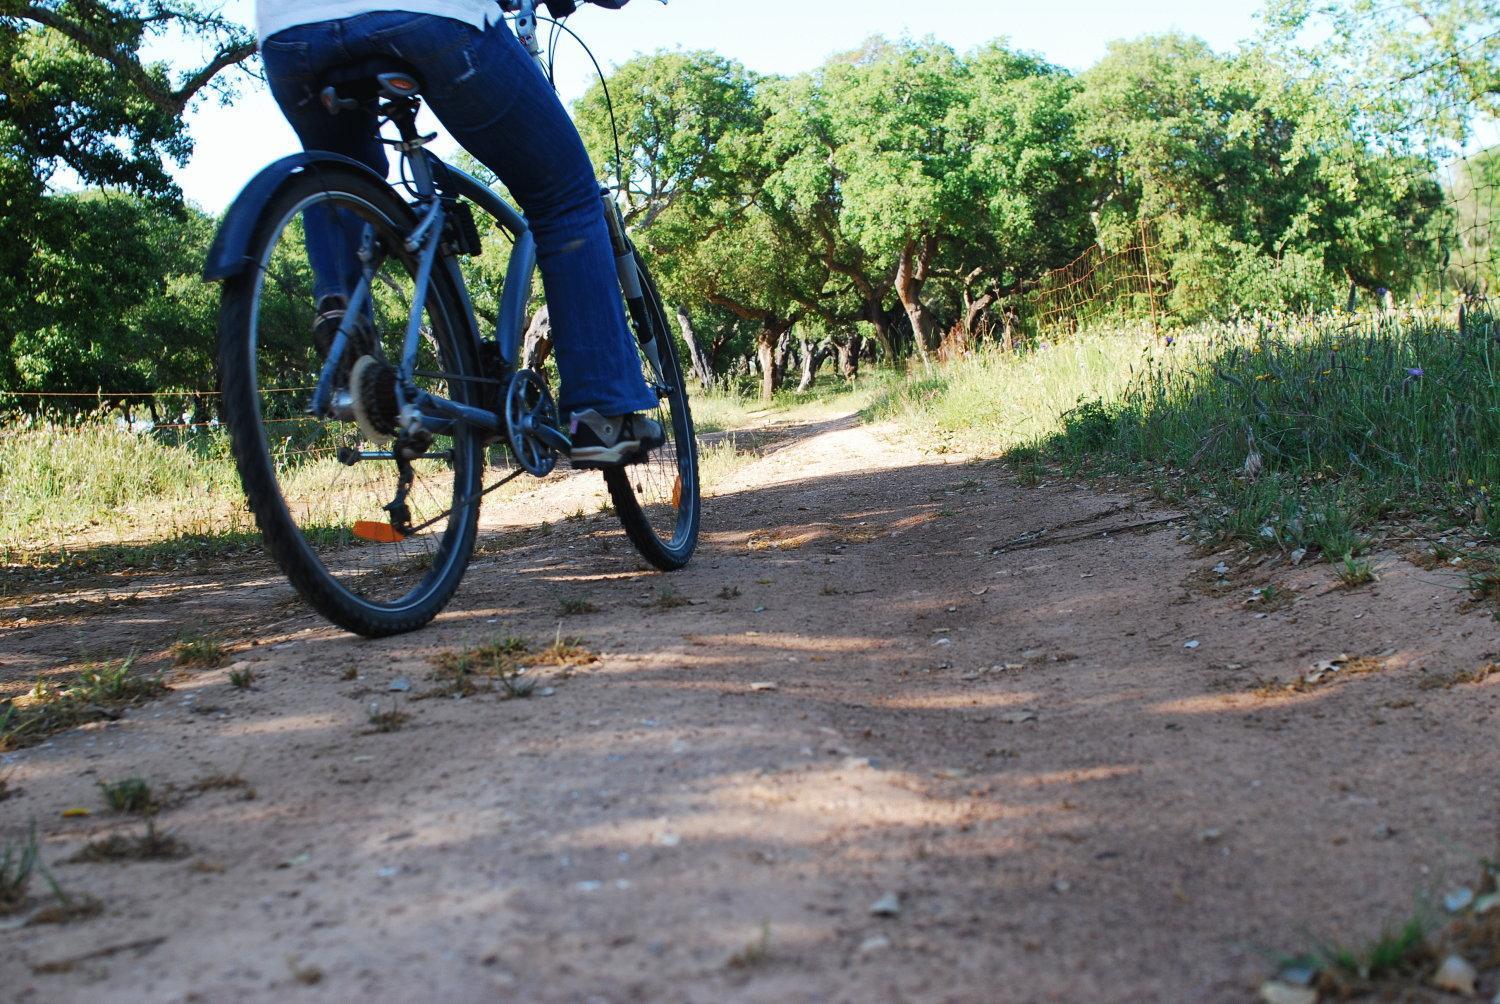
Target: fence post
1150	281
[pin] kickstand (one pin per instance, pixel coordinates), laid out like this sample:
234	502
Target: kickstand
400	512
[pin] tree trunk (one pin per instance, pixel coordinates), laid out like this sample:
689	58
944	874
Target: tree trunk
877	316
765	350
537	345
702	368
911	276
784	346
976	311
848	350
813	357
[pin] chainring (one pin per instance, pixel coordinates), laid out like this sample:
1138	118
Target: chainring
528	408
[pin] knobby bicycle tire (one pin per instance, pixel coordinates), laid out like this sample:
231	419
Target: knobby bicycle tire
662	522
255	458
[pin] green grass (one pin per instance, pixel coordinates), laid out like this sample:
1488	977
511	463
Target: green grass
199	652
90	475
129	794
19	864
96	692
829	397
1294	433
493	667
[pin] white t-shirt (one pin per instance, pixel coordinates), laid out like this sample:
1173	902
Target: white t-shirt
272	16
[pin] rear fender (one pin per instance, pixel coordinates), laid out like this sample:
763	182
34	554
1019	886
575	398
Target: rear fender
229	254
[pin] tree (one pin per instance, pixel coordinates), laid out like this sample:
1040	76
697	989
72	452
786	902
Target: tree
1266	190
76	95
678	115
1423	67
1028	174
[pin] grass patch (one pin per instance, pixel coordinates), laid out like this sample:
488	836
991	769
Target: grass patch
667	598
199	652
223	782
20	862
390	719
575	606
492	668
1447	681
565	652
129	794
1354	572
150	845
97	692
242	679
1292	433
1399	953
755	952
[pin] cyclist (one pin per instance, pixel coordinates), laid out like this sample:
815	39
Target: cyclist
487	92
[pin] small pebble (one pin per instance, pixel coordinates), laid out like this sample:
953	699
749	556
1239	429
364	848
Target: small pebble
888	905
1458	899
1276	992
1456	976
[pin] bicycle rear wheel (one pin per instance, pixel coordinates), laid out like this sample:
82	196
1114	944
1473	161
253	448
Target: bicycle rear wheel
312	480
658	500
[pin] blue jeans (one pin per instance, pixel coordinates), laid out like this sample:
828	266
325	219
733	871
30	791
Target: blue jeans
484	88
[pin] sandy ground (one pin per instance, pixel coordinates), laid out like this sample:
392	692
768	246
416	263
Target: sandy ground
1032	715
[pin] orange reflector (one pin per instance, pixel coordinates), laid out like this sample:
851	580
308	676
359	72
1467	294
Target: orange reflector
677	493
377	533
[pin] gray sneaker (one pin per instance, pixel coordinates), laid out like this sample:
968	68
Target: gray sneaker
610	440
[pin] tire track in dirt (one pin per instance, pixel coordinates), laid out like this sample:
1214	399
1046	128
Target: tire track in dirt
869	693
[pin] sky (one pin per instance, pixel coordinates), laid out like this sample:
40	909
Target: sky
231	143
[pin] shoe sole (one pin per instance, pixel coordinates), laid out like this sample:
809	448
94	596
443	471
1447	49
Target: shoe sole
618	455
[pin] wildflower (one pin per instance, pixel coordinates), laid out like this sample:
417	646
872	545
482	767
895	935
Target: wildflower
1414	371
1266	376
1336	346
1327	372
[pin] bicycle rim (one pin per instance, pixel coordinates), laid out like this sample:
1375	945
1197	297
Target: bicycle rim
658	499
343	549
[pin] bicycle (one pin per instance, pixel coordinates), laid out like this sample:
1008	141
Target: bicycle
365	475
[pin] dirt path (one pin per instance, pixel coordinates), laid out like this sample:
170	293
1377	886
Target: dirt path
1031	714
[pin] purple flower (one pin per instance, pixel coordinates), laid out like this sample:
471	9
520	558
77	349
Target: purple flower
1414	371
1171	340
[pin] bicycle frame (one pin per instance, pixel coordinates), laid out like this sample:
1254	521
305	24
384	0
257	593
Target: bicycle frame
436	183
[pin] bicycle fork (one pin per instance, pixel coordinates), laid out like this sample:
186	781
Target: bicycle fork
630	286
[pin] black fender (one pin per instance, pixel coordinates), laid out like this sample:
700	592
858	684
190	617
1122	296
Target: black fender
228	256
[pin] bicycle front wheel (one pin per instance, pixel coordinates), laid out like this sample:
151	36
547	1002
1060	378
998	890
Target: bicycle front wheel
657	500
320	486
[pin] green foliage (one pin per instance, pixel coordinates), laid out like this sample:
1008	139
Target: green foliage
69	475
95	693
101	290
1299	434
1425	66
112	299
130	794
1266	191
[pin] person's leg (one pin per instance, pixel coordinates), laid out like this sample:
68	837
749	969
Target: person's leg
295	61
485	90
